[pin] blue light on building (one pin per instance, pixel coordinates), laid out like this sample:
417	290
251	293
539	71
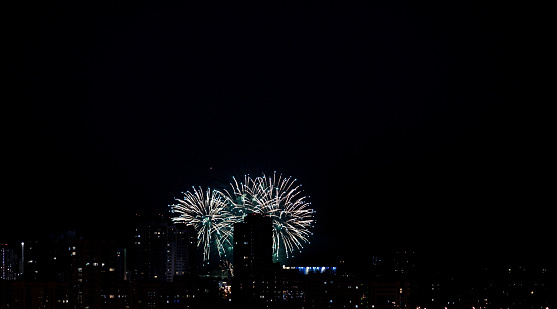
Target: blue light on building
313	269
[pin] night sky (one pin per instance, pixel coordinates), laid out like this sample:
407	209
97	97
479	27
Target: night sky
409	125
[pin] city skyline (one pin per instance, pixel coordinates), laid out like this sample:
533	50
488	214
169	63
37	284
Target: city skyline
159	266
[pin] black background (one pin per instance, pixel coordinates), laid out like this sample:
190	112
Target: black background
409	125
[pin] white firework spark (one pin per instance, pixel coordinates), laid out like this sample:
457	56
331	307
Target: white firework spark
208	211
213	213
282	200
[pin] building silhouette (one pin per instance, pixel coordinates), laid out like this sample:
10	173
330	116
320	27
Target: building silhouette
67	271
253	245
252	284
163	250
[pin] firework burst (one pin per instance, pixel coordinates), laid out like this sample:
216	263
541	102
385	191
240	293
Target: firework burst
281	199
208	211
213	213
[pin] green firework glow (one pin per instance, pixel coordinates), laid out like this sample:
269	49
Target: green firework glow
214	213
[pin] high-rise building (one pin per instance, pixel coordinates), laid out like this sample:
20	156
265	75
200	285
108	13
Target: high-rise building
36	261
9	263
150	251
181	260
163	250
96	271
253	245
253	271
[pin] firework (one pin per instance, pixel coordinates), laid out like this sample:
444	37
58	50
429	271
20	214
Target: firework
208	211
213	213
281	199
